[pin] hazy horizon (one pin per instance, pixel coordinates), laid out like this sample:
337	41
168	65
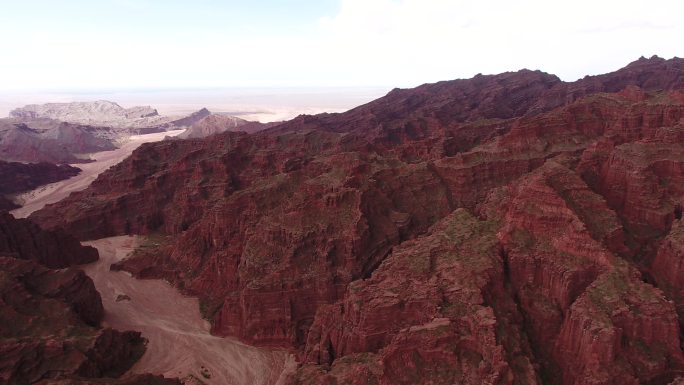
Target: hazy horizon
126	44
265	104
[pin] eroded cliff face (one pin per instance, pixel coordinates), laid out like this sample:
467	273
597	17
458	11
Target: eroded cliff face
50	319
20	238
433	312
588	314
20	177
49	325
507	229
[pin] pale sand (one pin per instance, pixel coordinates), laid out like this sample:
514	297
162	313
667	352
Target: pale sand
179	340
180	344
37	199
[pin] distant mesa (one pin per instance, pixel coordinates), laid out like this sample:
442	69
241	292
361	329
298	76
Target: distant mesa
102	113
212	124
99	113
67	132
47	140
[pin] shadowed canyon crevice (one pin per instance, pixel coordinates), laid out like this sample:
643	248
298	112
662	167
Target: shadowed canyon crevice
504	229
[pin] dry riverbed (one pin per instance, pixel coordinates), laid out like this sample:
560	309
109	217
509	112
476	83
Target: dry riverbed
179	341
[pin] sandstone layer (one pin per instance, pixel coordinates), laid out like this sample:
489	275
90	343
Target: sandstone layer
504	229
20	177
23	239
49	327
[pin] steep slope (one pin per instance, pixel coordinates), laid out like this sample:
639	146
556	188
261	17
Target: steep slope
52	141
216	124
49	329
50	319
23	239
98	113
102	113
19	177
500	229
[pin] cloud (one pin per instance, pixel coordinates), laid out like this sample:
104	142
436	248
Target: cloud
441	39
365	42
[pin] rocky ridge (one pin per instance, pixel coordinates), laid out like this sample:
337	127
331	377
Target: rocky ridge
50	319
215	124
507	229
49	329
20	177
98	113
67	132
48	141
21	238
107	115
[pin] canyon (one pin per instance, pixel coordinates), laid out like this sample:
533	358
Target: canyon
51	314
503	229
73	132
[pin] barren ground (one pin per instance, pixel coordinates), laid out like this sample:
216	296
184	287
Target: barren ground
179	341
180	344
36	199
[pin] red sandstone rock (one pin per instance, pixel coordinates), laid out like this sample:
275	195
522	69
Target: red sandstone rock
140	379
22	239
424	314
589	314
668	266
49	323
336	234
20	177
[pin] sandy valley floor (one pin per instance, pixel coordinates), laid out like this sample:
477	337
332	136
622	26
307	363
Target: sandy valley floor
35	200
180	344
179	341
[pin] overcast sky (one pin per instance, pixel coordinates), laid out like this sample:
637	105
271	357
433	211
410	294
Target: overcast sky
87	44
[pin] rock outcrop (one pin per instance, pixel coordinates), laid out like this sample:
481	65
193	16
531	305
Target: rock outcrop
428	314
215	124
49	327
20	177
103	113
98	113
23	239
48	141
505	229
67	132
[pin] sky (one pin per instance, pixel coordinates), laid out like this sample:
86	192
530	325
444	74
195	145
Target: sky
142	44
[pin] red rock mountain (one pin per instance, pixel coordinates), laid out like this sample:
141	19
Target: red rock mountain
20	177
22	239
49	329
48	141
67	132
50	319
215	124
504	229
